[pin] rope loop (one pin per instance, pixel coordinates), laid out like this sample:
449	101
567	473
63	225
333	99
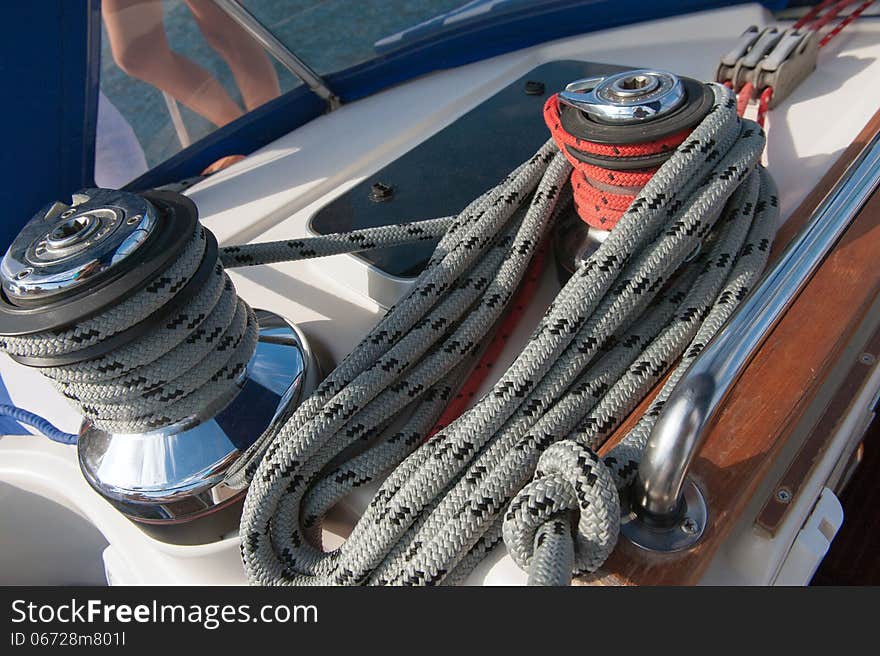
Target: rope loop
570	482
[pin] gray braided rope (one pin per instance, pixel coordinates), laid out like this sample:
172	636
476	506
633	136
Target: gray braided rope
195	356
335	244
199	354
610	334
439	511
620	465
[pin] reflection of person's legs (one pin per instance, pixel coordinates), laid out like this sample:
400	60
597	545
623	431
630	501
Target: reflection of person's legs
140	48
254	74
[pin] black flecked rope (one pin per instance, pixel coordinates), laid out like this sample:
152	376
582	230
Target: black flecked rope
613	330
624	318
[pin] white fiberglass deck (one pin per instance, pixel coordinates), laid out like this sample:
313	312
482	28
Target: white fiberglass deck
272	194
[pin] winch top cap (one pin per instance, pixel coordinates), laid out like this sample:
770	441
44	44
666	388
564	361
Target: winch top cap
63	247
70	262
629	97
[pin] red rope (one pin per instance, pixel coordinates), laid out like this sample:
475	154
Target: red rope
602	195
616	178
810	15
846	21
563	138
598	207
829	15
743	98
745	94
764	105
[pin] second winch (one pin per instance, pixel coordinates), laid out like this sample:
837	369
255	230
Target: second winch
616	131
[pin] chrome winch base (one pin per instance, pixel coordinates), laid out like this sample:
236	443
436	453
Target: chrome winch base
176	474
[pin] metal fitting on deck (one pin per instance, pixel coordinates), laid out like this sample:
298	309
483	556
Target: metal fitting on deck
779	59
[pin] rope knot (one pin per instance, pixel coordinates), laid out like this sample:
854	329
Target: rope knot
571	487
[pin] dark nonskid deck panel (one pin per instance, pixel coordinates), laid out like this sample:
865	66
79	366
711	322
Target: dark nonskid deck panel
440	176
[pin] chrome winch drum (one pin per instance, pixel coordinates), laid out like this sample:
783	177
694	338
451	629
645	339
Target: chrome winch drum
68	264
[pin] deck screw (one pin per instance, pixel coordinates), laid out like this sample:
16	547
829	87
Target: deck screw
381	192
534	88
867	358
690	526
783	495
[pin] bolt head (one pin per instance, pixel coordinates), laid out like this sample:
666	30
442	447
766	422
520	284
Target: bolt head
783	495
381	192
534	88
690	526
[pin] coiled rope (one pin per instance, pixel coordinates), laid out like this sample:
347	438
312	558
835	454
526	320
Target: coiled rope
198	353
609	335
613	330
602	195
172	371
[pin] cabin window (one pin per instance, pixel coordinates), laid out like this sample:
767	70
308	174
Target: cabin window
173	71
332	35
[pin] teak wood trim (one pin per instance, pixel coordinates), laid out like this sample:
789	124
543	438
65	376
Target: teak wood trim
775	389
809	455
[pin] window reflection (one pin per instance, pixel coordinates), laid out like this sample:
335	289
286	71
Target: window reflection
171	72
332	35
138	41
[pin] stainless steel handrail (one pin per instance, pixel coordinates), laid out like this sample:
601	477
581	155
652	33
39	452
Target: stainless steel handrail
278	50
695	404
